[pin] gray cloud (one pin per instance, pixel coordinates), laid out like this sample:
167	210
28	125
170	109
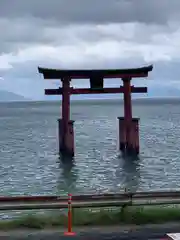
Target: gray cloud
93	11
21	33
25	23
50	22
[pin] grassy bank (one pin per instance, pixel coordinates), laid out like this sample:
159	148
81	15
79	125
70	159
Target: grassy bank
129	215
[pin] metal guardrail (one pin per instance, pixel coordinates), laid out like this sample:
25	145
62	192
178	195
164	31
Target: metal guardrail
85	201
123	195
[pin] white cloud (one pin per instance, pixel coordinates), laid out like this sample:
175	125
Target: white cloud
113	45
118	41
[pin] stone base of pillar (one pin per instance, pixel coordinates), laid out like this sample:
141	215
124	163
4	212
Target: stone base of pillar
131	147
66	139
122	134
135	136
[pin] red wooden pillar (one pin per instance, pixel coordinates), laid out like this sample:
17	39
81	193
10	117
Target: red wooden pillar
66	131
128	126
127	110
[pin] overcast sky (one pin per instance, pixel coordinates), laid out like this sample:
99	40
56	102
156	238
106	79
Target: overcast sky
88	34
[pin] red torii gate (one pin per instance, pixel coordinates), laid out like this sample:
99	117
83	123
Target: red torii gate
128	126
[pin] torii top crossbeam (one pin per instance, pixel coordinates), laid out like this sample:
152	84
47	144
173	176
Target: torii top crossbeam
87	74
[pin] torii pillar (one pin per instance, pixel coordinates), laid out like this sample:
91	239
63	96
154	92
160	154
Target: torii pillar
128	126
65	125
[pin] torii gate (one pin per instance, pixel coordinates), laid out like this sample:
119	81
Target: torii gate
128	126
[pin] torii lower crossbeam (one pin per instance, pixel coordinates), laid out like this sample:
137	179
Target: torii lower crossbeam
59	91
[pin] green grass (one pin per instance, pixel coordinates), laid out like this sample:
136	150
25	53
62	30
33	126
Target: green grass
103	217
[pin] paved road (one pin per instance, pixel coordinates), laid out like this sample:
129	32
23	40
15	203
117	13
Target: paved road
113	233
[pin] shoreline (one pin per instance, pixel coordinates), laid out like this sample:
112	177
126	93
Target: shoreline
103	218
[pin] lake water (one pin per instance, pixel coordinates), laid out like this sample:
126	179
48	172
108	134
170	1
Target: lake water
30	164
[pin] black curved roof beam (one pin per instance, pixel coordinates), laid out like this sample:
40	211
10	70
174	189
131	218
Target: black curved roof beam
90	73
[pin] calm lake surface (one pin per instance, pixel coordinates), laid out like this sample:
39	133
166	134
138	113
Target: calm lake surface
30	164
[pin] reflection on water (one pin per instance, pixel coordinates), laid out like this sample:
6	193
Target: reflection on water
131	172
69	174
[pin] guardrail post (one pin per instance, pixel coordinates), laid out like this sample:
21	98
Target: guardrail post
69	232
123	210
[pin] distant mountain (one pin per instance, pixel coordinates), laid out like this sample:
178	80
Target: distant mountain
6	96
163	91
